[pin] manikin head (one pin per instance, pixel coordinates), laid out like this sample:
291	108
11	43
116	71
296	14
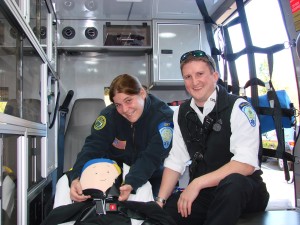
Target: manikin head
99	174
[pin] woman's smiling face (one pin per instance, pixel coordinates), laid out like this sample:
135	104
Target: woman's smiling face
130	107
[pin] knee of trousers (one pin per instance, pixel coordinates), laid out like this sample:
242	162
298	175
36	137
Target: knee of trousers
234	186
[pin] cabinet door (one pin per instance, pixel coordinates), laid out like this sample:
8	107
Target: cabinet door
173	41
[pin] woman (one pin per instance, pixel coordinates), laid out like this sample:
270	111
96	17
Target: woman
136	130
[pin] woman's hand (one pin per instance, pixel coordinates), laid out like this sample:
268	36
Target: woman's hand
76	192
125	191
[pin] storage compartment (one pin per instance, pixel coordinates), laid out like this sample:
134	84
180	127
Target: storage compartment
126	35
170	40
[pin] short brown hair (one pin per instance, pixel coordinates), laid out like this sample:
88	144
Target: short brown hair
192	56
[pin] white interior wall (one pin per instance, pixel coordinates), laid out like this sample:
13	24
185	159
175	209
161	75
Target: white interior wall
87	74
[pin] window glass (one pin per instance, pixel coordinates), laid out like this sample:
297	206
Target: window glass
8	61
34	159
38	19
266	29
19	88
31	84
9	179
10	174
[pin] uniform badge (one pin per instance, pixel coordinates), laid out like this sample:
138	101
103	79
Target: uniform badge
247	109
100	123
166	133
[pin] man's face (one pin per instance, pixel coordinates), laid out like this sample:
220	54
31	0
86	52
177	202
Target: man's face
130	106
99	176
199	81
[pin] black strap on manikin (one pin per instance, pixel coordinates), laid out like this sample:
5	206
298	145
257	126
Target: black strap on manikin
63	111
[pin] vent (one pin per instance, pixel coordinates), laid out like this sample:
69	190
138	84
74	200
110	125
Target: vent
68	32
68	4
91	5
91	33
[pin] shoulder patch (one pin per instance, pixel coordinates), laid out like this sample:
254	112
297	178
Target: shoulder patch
166	133
247	109
100	123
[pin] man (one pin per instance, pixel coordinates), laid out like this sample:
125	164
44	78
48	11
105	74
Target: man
217	135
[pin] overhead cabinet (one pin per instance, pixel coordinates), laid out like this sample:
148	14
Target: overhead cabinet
105	35
171	39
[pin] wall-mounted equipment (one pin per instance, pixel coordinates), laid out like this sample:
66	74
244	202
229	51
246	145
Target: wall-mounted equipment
91	32
68	32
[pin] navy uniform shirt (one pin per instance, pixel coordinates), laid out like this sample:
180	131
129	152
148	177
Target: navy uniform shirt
142	145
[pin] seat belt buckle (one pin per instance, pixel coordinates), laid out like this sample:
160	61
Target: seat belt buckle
103	206
111	207
100	209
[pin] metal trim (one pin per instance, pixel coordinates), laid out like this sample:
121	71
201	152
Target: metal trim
22	182
6	119
14	9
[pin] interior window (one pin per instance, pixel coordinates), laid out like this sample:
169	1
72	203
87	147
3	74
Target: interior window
264	35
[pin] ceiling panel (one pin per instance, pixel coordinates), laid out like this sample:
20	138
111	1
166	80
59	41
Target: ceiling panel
144	10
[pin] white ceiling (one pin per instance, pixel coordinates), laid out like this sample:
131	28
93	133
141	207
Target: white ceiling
144	10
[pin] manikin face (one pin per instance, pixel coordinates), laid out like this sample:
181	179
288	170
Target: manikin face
130	106
199	81
100	176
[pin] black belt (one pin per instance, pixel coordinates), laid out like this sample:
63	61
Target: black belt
106	205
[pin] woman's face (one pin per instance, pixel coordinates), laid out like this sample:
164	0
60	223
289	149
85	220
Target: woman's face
130	106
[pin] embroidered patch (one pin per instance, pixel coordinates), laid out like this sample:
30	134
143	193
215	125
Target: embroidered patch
166	133
247	109
100	123
119	144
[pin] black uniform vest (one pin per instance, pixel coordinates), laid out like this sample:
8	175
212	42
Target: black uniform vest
205	139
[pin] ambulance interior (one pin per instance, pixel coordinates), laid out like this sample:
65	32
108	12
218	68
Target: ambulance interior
57	64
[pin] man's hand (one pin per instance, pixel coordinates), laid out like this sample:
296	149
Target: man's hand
76	192
186	199
125	191
160	204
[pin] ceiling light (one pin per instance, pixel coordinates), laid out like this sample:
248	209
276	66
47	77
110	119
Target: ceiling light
167	35
129	0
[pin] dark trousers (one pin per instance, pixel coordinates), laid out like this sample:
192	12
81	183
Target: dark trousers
235	195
